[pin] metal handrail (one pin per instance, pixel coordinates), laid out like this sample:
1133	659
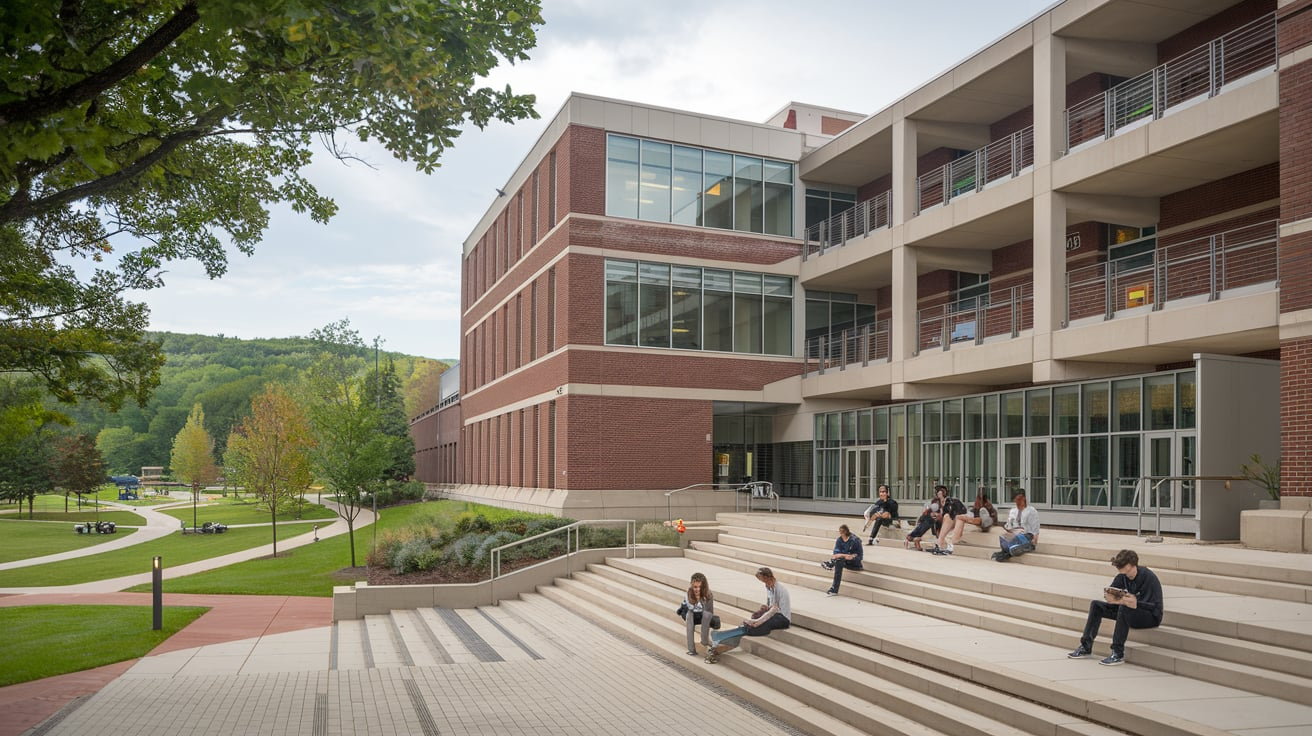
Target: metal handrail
669	514
854	222
1001	159
863	345
1240	256
1003	308
766	491
1138	501
1196	74
630	543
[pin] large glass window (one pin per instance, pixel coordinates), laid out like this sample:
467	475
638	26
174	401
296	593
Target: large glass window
621	303
822	204
657	181
1159	402
691	308
1126	404
621	176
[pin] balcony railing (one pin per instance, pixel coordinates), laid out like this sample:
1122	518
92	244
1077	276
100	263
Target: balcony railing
856	222
1197	74
1211	266
1004	314
1001	159
861	345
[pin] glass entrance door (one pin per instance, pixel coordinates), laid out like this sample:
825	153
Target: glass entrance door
1126	470
1012	478
1162	463
1037	479
1188	455
858	484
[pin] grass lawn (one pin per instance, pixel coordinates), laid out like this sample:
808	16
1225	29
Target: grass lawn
24	540
43	641
176	549
244	511
311	570
124	518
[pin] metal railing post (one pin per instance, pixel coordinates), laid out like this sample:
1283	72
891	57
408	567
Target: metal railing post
980	168
979	321
1109	310
1159	280
1213	291
1212	61
1108	112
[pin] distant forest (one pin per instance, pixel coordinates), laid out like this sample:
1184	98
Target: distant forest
222	373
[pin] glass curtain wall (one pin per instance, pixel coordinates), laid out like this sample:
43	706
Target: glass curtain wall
1075	446
664	182
657	305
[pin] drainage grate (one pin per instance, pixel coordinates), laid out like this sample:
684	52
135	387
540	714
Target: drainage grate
476	644
59	715
320	715
426	721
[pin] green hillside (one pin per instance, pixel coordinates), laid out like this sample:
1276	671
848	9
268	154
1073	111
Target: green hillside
222	373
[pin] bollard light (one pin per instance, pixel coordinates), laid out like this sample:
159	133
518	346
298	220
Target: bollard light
157	592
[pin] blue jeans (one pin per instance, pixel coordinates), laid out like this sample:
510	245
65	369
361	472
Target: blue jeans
777	621
839	566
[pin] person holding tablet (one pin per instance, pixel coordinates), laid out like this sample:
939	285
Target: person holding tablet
1134	599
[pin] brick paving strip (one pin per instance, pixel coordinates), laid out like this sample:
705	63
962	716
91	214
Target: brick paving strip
230	618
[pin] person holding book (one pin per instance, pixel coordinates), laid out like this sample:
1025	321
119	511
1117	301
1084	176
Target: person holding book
880	513
847	555
777	613
1134	599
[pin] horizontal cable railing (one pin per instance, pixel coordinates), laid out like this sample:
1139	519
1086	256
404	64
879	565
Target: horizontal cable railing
1196	74
1210	265
856	222
1003	313
859	345
1001	159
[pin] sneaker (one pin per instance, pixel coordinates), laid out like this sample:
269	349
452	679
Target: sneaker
712	658
950	549
1113	659
1079	653
831	592
1001	556
827	564
872	541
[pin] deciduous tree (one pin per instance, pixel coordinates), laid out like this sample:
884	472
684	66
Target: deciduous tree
269	453
79	466
133	134
192	460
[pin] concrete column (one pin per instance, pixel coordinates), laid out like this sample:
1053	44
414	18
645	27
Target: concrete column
1049	95
905	196
1049	265
903	321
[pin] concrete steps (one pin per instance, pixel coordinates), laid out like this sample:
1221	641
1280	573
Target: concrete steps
966	588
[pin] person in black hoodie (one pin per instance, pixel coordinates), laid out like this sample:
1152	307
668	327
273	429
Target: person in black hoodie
1134	599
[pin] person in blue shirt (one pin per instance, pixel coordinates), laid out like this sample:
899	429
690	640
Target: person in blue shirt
1134	599
847	556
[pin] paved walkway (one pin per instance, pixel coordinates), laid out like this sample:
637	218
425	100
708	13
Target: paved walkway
262	664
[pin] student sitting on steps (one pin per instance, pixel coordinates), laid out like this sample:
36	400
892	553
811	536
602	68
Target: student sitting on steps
1022	530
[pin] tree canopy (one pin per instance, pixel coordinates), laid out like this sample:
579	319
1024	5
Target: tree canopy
134	133
269	454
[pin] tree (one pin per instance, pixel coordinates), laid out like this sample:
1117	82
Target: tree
383	390
136	134
79	467
270	452
27	458
352	454
424	389
192	460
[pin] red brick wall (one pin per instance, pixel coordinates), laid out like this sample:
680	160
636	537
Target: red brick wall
833	126
1233	192
1214	27
1018	120
1295	24
932	160
1086	87
1296	141
1295	406
873	189
610	442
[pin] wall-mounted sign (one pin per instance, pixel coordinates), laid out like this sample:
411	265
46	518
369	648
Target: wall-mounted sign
1072	241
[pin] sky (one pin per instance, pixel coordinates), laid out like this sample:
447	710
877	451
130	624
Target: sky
389	261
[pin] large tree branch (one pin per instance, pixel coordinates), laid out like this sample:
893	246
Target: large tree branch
86	89
21	208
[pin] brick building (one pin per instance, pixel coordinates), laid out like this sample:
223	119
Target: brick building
1075	263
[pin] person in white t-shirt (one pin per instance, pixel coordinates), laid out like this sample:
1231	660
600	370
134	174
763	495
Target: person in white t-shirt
1022	530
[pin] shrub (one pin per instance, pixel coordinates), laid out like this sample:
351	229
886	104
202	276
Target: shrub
461	551
470	522
657	533
592	537
415	555
537	526
483	554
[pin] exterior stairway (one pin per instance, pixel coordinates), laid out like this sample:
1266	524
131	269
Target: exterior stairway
921	644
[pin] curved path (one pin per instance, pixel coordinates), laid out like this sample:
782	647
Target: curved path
232	618
159	525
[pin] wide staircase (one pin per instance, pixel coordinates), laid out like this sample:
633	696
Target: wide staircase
925	644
